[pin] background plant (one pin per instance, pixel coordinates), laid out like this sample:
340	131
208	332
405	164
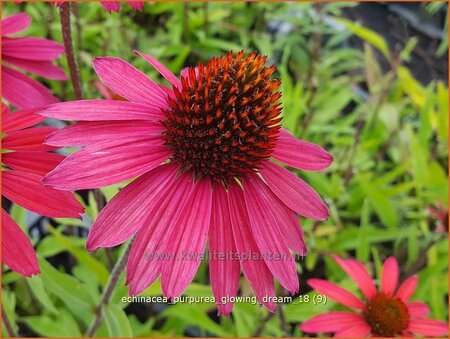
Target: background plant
345	87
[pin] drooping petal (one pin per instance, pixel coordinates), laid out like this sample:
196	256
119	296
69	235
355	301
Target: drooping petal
45	69
288	223
26	190
30	139
106	163
99	110
39	163
269	239
20	120
359	274
336	293
331	322
187	241
15	23
24	92
163	70
111	6
89	132
129	210
407	288
417	309
17	250
294	192
253	265
357	331
223	270
428	327
148	250
300	154
138	5
389	276
128	82
31	48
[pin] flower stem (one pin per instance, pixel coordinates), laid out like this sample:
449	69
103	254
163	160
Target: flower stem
109	289
64	13
9	328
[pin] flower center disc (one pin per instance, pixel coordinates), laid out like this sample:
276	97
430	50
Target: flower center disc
224	120
386	316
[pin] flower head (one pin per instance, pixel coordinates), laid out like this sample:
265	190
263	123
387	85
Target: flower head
202	151
30	54
25	160
387	312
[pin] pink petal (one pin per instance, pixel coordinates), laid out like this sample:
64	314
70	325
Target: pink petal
336	293
26	190
300	154
39	163
170	77
98	110
106	163
43	68
417	309
20	120
269	239
358	331
428	327
138	5
31	48
288	224
188	238
24	92
128	82
148	250
89	132
30	139
129	210
359	274
331	322
223	270
255	269
294	192
15	23
407	288
104	90
389	276
111	6
17	250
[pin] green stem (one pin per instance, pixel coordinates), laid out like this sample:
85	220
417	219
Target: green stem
109	289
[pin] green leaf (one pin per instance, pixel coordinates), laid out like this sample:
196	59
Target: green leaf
62	326
82	256
37	287
117	322
368	35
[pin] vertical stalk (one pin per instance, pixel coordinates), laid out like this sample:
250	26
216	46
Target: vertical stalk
109	289
9	328
186	22
64	12
205	17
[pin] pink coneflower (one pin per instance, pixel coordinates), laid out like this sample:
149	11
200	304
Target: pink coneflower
384	313
202	153
25	160
31	54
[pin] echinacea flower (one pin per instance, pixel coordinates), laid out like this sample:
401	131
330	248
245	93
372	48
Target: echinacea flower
25	160
387	312
202	152
30	54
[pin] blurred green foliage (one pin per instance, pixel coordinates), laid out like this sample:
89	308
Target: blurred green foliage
387	132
